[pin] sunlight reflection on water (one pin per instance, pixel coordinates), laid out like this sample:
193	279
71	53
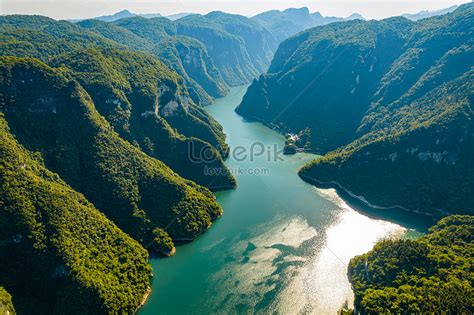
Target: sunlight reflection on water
291	268
281	247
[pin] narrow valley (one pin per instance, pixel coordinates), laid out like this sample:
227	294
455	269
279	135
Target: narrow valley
281	244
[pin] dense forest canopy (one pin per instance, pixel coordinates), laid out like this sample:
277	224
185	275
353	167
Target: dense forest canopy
430	275
58	253
125	85
94	119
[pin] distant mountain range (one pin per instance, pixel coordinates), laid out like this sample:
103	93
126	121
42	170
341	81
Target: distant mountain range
426	14
192	44
126	14
177	16
302	13
249	42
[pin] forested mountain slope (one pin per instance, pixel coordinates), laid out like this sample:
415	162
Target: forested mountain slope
27	35
95	120
146	104
126	87
430	275
212	51
52	114
118	34
259	42
325	78
190	59
392	98
187	56
58	253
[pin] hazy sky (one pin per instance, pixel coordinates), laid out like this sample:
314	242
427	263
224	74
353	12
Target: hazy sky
69	9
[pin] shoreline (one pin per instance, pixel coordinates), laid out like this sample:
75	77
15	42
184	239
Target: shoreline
274	127
144	299
171	252
336	185
257	119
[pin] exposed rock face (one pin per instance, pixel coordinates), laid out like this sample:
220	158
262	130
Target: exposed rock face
150	108
189	58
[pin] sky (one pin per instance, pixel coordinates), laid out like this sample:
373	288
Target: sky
79	9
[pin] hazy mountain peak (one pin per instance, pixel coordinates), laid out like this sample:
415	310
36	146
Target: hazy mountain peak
317	15
355	16
303	10
123	12
120	15
177	16
117	16
426	13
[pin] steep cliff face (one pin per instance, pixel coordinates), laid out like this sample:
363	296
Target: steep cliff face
391	99
284	24
58	253
182	54
324	79
54	115
186	55
226	50
146	104
125	87
221	49
259	42
190	59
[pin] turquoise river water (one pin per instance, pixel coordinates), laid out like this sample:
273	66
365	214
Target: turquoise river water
282	245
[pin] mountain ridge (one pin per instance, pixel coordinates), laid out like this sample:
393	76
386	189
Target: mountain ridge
403	104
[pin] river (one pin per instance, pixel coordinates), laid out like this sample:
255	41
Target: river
281	246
